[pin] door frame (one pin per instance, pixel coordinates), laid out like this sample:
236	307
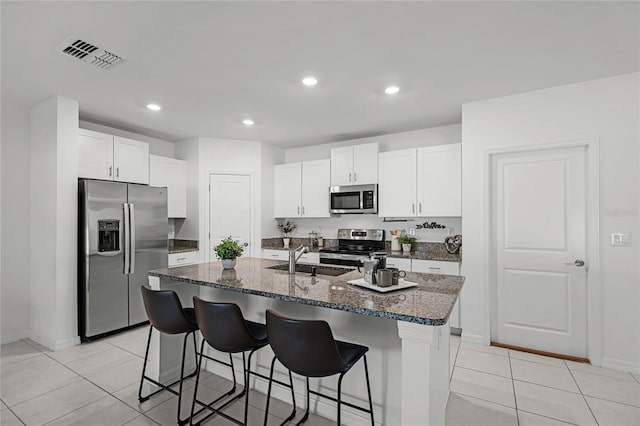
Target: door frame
592	238
207	241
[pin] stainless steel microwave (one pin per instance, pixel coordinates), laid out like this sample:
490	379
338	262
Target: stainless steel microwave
351	199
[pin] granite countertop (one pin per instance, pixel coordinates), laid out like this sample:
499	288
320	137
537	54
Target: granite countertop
426	255
429	303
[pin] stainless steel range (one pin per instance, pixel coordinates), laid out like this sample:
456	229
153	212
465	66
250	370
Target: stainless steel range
355	246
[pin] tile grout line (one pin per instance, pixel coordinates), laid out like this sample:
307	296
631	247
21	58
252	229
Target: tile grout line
547	417
582	394
15	415
513	387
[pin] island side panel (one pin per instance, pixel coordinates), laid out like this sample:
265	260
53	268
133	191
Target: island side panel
425	373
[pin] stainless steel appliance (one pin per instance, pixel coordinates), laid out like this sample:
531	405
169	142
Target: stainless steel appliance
350	199
122	234
355	246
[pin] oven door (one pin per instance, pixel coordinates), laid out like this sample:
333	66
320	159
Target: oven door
353	199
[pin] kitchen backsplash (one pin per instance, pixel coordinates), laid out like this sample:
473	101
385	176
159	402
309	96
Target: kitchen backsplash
328	227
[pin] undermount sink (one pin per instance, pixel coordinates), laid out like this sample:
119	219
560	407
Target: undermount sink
307	268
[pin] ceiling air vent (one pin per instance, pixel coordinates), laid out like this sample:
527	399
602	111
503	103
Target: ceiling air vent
89	53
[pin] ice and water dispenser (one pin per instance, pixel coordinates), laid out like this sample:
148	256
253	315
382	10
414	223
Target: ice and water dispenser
108	235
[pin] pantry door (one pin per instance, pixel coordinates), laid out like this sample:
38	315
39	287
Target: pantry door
539	218
230	211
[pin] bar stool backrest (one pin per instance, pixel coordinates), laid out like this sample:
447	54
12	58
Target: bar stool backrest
223	326
165	312
306	347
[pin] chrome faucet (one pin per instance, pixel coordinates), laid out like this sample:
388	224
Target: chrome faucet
293	258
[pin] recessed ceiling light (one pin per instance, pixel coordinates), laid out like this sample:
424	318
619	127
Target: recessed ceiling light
154	107
309	81
391	90
248	122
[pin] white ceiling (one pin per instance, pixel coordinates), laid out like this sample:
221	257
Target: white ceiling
211	64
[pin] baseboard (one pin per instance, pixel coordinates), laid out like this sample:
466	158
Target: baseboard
473	338
320	406
65	343
54	345
13	337
616	364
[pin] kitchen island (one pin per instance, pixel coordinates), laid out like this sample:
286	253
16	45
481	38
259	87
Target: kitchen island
406	330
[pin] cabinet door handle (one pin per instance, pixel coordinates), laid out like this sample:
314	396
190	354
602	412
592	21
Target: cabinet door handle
302	209
117	172
431	268
413	207
354	177
349	177
110	170
420	207
298	209
181	259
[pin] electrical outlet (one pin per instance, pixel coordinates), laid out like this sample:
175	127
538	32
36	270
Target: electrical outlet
619	239
412	231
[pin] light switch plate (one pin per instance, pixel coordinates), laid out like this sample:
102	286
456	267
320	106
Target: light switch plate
620	239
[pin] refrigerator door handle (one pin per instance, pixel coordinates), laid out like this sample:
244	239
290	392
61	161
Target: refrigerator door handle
127	239
132	237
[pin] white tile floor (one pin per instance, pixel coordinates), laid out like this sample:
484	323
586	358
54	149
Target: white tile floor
97	384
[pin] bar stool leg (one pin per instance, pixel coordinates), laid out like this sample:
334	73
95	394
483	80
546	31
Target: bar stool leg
144	367
306	412
195	389
184	351
366	372
339	396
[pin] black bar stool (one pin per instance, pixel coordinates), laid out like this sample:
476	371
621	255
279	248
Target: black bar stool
307	347
224	328
166	314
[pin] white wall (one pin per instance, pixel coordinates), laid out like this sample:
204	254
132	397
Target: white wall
156	146
328	226
54	174
606	109
204	156
15	178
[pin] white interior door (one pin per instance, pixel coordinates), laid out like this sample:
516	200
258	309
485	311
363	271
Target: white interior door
539	218
230	211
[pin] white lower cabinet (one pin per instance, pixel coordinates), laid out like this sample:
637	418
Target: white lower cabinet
182	259
275	254
400	263
431	267
284	255
309	258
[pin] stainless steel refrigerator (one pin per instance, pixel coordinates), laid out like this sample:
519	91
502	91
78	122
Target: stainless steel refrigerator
122	235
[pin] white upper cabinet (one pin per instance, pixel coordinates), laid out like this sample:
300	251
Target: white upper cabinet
95	155
287	187
423	182
172	174
302	189
440	181
315	188
354	165
107	157
130	160
397	186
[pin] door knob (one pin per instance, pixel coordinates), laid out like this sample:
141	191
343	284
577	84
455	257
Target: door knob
246	244
578	262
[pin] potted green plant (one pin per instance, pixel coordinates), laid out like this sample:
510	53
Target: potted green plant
286	228
228	250
406	242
